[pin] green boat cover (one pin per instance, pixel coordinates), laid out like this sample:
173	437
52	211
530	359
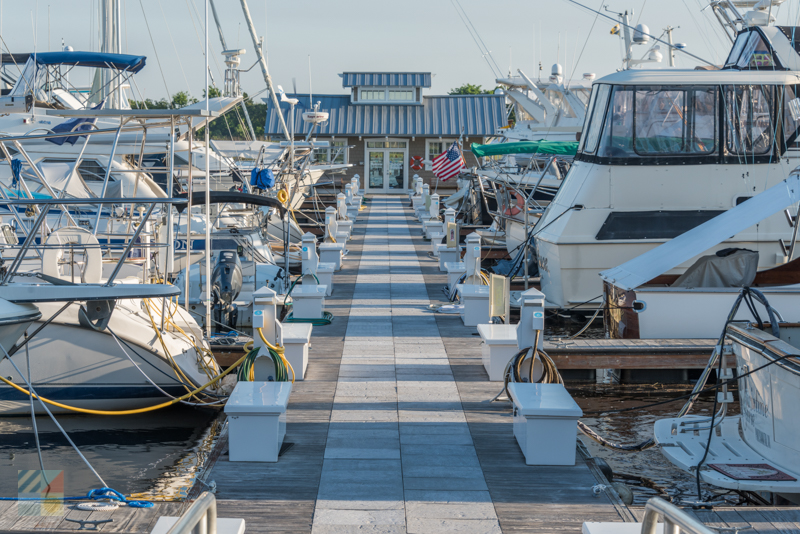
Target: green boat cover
561	148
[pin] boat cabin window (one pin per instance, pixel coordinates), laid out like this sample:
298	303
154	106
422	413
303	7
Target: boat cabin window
89	169
595	119
791	115
751	51
660	121
748	119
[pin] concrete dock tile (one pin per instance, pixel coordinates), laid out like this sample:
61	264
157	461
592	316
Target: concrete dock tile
359	517
447	497
440	460
364	416
424	510
359	440
384	453
459	526
449	429
441	471
436	439
445	483
362	432
351	504
351	529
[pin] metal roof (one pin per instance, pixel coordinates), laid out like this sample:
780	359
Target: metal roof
386	79
476	115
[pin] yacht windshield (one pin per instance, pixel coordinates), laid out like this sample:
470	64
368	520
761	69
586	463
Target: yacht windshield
750	51
748	119
668	124
660	121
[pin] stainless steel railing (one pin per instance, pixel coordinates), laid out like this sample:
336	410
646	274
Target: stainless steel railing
199	518
675	519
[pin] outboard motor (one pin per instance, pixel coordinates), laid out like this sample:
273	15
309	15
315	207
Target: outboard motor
226	283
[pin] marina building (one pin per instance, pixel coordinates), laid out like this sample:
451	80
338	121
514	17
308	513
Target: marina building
387	127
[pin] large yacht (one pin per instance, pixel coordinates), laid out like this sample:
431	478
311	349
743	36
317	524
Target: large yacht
663	151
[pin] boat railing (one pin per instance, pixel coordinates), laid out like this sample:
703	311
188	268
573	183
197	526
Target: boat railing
675	519
199	518
47	203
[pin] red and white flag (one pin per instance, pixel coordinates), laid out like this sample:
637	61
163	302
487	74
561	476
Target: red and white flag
449	163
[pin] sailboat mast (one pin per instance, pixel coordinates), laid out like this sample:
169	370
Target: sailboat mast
208	197
264	71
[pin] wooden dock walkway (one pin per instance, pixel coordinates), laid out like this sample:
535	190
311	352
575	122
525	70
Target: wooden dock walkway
392	431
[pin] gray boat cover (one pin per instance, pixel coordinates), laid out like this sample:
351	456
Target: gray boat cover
737	269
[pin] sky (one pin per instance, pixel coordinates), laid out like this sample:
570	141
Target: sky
367	35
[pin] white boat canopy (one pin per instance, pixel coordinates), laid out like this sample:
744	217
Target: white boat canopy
669	255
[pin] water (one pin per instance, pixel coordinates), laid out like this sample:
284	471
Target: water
647	473
153	456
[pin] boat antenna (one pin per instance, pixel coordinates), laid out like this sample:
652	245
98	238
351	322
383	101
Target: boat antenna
698	58
310	92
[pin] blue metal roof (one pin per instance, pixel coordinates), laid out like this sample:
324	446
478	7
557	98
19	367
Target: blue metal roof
476	115
386	79
101	60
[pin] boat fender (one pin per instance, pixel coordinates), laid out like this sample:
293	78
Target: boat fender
624	492
96	314
604	468
513	210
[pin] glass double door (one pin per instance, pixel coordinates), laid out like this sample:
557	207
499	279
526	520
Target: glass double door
386	166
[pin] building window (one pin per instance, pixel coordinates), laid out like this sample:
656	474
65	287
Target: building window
373	94
401	95
336	153
435	147
386	144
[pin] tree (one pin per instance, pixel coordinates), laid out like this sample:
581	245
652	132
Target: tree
469	89
180	99
232	125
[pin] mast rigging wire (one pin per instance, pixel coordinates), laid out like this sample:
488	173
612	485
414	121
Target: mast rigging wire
698	58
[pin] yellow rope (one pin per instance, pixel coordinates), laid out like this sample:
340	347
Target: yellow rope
127	412
278	350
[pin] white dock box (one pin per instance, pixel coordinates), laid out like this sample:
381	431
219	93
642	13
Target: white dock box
257	420
545	423
476	304
308	301
295	338
499	346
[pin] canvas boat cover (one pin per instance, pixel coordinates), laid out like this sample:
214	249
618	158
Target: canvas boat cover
558	148
726	268
102	60
686	246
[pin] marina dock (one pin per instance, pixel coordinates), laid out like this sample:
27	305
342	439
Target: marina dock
392	430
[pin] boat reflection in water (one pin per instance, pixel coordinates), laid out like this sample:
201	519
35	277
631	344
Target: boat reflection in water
152	456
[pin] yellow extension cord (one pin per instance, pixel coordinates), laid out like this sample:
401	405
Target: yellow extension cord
128	412
279	351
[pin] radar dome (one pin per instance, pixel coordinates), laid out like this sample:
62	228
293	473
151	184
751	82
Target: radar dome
640	35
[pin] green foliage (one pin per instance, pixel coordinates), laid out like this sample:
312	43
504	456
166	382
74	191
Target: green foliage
232	125
469	89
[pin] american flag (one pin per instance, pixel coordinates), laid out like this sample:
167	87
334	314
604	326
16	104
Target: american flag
449	163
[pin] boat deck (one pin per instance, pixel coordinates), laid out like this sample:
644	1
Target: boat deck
392	431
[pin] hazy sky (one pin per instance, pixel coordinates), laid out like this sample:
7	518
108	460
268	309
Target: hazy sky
376	35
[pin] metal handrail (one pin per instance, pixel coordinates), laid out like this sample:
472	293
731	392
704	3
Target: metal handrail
200	517
675	519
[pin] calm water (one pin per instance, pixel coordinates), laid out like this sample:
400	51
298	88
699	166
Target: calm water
155	455
647	473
